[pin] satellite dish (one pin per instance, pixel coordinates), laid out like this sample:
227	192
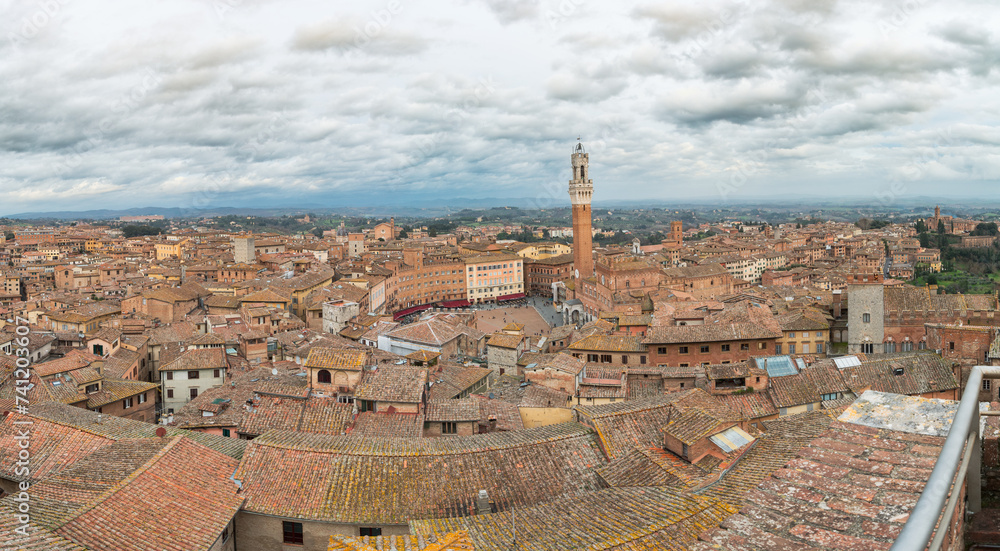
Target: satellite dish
577	274
274	371
161	432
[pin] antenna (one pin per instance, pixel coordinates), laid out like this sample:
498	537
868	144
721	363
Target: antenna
513	528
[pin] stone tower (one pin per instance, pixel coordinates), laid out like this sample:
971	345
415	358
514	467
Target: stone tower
937	212
243	250
676	232
865	313
581	191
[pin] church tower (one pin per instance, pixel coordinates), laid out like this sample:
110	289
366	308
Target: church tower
581	190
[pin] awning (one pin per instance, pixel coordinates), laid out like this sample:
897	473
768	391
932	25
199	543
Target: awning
411	310
515	296
454	303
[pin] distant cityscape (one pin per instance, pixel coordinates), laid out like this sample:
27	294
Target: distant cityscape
299	381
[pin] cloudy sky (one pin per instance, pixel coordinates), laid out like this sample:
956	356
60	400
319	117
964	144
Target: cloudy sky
194	103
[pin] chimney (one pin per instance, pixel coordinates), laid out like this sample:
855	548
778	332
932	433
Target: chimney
492	420
838	304
483	503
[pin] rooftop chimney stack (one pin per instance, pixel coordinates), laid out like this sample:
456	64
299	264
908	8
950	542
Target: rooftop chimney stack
483	503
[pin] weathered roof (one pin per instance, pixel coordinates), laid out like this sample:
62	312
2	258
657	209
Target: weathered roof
393	384
614	518
322	357
343	478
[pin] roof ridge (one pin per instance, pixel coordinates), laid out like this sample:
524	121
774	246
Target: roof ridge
124	482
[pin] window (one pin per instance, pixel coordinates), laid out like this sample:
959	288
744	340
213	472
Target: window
889	347
682	385
761	346
685	365
661	350
684	450
758	379
704	349
831	396
986	384
225	533
170	375
819	348
951	345
922	345
791	334
642	360
777	349
127	403
369	531
449	427
866	318
194	393
170	393
193	374
819	333
725	348
142	398
92	388
682	349
745	346
592	358
323	376
605	358
225	432
624	359
291	532
868	348
215	373
791	348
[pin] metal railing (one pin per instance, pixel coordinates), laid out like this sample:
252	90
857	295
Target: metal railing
960	460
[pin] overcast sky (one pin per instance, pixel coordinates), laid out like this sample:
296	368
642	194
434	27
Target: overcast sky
266	103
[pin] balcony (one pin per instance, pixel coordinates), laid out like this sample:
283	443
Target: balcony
950	509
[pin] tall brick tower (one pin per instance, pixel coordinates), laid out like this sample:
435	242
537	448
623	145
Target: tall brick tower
581	190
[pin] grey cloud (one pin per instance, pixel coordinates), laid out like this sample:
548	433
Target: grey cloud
510	11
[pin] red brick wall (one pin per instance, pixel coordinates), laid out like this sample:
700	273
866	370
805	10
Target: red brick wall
715	355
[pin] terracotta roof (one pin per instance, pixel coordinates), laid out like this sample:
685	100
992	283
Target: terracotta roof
452	541
504	340
204	358
609	343
392	384
117	428
344	478
53	445
38	538
853	487
922	372
337	358
192	487
611	519
741	321
388	425
466	409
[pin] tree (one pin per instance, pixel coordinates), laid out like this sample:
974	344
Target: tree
318	232
9	235
921	227
986	228
139	230
403	234
432	232
940	228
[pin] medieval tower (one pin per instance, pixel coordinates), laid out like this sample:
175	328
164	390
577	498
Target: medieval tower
581	191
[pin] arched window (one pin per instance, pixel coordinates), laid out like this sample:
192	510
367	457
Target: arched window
323	376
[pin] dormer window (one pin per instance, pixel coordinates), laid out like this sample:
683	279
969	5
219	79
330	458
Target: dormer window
93	388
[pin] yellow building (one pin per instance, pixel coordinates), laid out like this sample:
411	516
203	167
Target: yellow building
804	331
490	277
170	249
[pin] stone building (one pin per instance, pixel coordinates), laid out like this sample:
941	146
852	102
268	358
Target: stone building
865	313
